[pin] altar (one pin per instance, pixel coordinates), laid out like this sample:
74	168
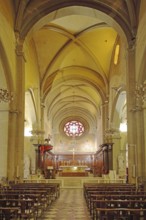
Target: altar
73	170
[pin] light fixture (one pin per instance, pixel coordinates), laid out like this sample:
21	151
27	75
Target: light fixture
123	127
5	95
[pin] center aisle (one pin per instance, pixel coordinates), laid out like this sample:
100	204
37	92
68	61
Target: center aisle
70	205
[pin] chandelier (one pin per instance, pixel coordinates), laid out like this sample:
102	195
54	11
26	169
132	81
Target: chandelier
5	96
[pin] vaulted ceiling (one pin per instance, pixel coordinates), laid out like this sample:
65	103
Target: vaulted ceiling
75	44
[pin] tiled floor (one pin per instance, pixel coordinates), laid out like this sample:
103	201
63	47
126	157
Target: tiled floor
70	205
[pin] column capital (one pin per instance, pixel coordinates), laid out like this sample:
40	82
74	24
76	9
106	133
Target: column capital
111	134
19	47
140	96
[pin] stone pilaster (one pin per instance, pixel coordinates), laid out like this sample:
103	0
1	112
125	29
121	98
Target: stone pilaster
16	129
144	134
105	120
138	147
11	166
131	131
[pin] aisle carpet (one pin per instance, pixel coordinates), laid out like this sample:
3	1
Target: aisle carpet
70	205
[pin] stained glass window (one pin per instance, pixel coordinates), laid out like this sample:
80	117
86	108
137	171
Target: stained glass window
74	128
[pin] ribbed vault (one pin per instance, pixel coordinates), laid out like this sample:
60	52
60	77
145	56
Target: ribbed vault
74	43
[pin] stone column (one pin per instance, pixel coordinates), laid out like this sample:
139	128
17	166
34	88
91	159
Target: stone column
144	146
131	131
116	140
11	166
16	158
105	119
139	146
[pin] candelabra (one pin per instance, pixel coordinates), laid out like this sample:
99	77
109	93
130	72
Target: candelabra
5	96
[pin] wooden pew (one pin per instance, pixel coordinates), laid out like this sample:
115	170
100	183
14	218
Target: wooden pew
54	187
114	197
119	213
26	208
42	193
109	195
9	212
109	187
40	202
133	204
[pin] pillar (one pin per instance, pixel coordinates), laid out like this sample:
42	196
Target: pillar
16	123
116	139
105	119
139	145
131	131
11	166
144	145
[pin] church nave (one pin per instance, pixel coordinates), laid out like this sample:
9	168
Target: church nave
70	205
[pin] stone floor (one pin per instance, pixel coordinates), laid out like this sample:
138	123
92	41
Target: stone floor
70	205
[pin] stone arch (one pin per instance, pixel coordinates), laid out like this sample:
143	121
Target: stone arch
114	19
